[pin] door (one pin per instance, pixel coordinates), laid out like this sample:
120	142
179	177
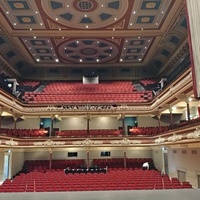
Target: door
181	176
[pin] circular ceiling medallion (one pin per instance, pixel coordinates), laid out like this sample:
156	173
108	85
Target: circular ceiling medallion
85	14
88	51
85	5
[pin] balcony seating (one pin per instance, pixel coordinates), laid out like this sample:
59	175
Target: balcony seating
74	92
121	179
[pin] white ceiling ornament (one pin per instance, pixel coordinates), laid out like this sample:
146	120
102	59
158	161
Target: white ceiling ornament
48	143
88	142
126	141
174	138
11	143
194	135
159	140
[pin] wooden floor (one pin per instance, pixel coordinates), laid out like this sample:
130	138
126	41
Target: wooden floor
182	194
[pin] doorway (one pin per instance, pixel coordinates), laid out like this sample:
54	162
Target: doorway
6	168
181	176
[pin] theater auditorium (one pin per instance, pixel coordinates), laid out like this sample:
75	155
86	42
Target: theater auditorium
99	99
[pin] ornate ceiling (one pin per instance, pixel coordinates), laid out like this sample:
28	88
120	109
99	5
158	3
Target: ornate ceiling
115	39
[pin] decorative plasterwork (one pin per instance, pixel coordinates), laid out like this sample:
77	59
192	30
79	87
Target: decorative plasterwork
194	135
126	141
88	142
48	143
174	138
159	140
11	143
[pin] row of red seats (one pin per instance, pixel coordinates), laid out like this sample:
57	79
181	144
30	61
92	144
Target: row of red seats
30	83
55	164
121	179
119	162
95	98
148	131
24	132
92	132
148	81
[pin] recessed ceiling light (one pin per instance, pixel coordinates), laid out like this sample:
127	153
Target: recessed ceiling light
30	29
67	5
139	59
162	12
36	12
113	38
149	40
142	29
102	5
41	24
56	60
59	29
139	37
145	47
15	24
156	24
121	60
110	55
65	48
97	42
115	18
77	41
38	60
51	47
126	40
97	60
86	26
63	37
110	47
85	15
56	19
124	48
113	29
134	12
7	12
81	60
34	37
131	24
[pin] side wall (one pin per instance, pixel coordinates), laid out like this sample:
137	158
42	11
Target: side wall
17	161
186	160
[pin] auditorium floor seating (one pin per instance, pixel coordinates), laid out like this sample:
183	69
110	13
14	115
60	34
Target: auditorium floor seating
114	179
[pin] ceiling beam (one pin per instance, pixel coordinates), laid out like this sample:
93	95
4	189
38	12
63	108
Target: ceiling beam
86	33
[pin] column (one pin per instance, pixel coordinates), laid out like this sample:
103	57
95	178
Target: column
123	124
15	123
1	111
50	158
88	124
193	16
188	109
88	158
171	115
158	117
51	131
124	149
